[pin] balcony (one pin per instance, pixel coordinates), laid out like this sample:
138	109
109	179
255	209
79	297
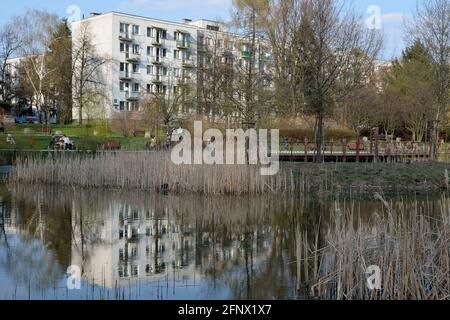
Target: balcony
132	96
125	75
184	79
158	42
187	63
227	53
246	54
158	79
157	60
202	48
183	44
131	57
125	36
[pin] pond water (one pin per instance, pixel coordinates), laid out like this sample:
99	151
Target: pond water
130	245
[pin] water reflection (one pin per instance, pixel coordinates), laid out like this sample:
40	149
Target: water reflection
141	246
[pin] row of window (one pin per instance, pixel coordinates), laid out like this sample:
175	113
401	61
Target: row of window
153	32
154	51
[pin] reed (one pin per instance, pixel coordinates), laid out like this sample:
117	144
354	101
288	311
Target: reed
408	243
149	171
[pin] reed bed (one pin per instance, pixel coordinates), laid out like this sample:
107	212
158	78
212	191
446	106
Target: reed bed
409	244
149	171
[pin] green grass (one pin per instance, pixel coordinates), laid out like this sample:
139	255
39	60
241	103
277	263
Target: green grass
86	137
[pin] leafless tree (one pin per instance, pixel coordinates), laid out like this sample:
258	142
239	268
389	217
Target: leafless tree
10	44
338	54
250	94
165	104
87	68
282	22
36	31
214	74
431	26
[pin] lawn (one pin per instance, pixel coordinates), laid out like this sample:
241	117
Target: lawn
35	137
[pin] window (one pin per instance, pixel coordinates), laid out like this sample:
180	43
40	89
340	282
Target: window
176	72
136	30
136	49
136	89
122	86
135	68
122	66
149	51
124	27
212	28
135	271
149	32
134	106
149	88
149	69
176	54
122	47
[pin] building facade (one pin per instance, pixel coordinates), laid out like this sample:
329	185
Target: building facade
150	56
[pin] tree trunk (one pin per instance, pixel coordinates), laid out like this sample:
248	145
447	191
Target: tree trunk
319	137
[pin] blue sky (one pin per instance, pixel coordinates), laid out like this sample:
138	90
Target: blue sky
393	12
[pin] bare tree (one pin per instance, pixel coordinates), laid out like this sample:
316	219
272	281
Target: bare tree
214	74
282	22
338	55
87	67
10	44
431	26
36	31
250	95
165	103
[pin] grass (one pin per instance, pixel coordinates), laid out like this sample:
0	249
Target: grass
410	244
148	171
86	137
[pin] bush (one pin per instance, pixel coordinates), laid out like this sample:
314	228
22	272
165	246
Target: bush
299	135
87	144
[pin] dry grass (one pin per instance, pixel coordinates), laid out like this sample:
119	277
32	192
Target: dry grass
409	244
149	171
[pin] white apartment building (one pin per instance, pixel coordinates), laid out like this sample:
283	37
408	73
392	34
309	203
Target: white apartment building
149	55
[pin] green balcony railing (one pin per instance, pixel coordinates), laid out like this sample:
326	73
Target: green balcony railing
247	54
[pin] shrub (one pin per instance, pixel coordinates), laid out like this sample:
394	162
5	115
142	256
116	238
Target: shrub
87	144
299	135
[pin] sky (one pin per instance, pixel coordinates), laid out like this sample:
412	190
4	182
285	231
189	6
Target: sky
392	12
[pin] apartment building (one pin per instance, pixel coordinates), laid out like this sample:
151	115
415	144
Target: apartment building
151	56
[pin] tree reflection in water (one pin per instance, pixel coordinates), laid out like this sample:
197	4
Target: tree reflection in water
168	247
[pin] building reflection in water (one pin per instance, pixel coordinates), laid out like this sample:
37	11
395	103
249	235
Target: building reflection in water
239	248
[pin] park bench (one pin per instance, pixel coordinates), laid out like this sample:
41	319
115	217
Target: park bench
44	130
356	147
110	145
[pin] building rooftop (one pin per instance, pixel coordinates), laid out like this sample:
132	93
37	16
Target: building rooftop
185	23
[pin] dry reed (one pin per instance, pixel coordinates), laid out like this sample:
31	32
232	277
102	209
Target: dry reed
408	243
149	171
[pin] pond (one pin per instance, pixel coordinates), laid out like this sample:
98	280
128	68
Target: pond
131	245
